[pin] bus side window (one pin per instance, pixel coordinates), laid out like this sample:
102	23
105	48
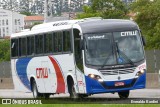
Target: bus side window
14	47
39	44
66	41
57	42
22	46
48	43
30	45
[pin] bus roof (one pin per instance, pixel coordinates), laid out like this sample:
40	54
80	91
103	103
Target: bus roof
87	26
47	27
108	25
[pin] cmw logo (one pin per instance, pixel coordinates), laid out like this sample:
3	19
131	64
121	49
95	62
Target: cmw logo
129	33
42	72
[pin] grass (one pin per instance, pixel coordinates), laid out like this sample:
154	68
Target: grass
85	105
64	102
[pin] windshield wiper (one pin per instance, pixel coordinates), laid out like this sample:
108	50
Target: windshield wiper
106	60
123	54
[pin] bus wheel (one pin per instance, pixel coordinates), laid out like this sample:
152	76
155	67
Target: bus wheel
83	95
46	96
36	94
123	94
71	88
73	93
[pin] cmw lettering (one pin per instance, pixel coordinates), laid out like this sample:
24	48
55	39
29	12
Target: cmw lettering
42	72
129	33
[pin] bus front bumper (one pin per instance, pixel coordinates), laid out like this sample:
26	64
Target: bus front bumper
94	87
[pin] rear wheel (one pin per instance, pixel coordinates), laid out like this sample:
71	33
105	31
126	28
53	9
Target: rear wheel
46	96
123	94
36	94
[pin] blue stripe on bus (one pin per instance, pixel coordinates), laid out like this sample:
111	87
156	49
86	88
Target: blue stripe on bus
93	86
21	67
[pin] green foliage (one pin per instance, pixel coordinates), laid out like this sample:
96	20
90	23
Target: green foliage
26	13
4	50
148	18
104	8
35	23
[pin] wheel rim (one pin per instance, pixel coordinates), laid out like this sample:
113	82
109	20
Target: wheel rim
74	92
35	91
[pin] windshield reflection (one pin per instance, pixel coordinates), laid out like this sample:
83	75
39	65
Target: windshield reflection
101	50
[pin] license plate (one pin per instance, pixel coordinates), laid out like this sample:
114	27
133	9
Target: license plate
119	84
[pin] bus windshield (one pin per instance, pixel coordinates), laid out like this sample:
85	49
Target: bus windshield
104	49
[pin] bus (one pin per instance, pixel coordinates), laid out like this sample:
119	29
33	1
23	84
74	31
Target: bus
79	57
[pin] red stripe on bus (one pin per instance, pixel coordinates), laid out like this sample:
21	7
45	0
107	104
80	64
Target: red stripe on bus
60	79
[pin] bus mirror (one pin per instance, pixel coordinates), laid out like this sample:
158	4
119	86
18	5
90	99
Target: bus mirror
144	40
81	44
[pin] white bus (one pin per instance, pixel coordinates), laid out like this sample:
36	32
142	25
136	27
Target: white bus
79	57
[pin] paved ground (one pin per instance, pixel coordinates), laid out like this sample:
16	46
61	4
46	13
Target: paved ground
142	93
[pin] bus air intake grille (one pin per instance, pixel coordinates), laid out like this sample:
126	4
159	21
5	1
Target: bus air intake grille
118	71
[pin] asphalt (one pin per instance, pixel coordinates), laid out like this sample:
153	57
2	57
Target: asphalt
141	93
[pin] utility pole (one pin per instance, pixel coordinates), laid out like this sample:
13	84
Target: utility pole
155	61
45	10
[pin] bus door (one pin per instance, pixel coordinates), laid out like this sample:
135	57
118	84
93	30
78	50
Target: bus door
78	61
80	81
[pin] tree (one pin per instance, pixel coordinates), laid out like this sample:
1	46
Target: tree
4	50
10	5
105	9
148	18
26	13
35	23
24	5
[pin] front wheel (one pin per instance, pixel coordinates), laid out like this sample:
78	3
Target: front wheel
71	88
83	95
123	94
73	93
36	94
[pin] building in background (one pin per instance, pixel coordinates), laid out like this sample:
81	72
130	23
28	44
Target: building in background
32	20
10	22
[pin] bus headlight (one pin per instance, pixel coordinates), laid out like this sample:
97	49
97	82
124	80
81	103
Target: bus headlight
100	80
96	77
142	71
91	75
139	73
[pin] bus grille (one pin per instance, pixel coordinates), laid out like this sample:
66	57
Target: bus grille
118	71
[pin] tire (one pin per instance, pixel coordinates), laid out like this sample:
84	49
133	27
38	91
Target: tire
123	94
83	95
46	96
35	92
72	90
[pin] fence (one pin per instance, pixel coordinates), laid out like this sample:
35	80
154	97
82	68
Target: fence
6	81
5	70
153	61
153	67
